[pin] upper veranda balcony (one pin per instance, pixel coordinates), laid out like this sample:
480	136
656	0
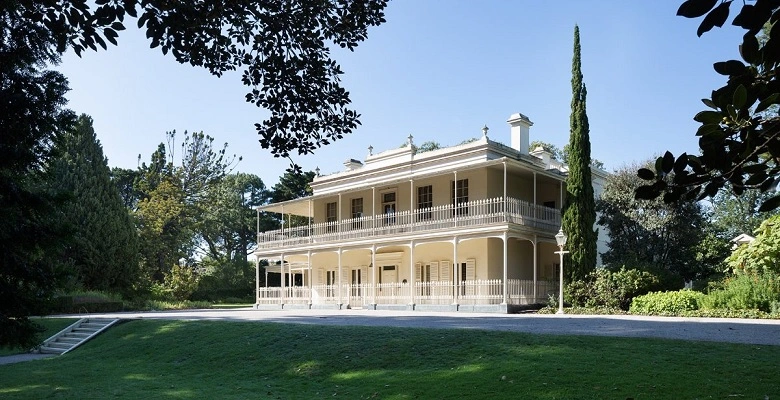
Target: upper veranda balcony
448	218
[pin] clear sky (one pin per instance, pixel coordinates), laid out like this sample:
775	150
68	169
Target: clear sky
439	70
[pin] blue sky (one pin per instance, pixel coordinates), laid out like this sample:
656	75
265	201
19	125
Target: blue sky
439	70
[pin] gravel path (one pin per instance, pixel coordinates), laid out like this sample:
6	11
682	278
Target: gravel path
749	331
746	331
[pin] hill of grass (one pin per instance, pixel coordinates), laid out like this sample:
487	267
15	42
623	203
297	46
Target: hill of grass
239	360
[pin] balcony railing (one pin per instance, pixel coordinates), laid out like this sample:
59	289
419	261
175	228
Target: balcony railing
470	214
436	292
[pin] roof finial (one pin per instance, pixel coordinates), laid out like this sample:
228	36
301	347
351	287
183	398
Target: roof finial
370	150
410	139
485	130
317	171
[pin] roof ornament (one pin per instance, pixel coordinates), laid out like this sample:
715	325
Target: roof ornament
410	139
317	171
370	150
485	130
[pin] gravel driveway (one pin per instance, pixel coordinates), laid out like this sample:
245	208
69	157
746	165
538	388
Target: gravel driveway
749	331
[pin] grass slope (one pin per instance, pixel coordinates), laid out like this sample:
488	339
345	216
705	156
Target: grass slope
239	360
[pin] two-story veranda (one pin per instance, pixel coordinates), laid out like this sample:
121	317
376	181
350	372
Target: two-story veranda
469	227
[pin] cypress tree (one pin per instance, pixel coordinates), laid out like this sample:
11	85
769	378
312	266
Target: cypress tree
103	251
579	213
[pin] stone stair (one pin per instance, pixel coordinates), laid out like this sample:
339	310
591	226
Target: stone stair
76	334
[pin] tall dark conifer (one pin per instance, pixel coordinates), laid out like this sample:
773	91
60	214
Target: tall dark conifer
579	213
103	252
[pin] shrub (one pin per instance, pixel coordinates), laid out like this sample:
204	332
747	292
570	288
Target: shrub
179	284
745	291
609	289
85	302
666	303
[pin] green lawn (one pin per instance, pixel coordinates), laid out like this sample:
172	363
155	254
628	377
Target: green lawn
240	360
52	326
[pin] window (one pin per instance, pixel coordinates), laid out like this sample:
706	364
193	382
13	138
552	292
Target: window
460	196
331	215
424	202
331	276
549	204
357	212
388	207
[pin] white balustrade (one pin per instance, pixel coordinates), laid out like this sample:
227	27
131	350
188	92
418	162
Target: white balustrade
469	214
472	292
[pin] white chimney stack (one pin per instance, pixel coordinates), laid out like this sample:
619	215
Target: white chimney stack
519	126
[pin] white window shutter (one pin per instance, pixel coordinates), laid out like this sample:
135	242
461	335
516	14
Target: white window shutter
417	272
364	278
445	269
471	269
434	271
346	275
321	276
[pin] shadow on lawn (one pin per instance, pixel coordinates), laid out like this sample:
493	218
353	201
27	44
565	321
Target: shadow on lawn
206	359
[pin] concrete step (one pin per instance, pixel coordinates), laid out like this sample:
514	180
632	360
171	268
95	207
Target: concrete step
85	330
50	350
60	345
67	339
76	335
92	325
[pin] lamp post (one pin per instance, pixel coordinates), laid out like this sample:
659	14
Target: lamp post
560	238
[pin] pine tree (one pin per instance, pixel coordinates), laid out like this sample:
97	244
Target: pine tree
579	213
103	250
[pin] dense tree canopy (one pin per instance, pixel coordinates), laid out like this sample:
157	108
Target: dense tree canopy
280	46
32	111
739	136
102	253
650	233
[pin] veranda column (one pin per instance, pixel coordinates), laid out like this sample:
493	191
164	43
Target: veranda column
536	266
281	274
455	270
455	198
339	282
373	275
373	211
257	280
506	275
411	274
311	277
411	204
504	202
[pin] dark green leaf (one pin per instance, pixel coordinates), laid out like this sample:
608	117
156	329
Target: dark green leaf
731	67
716	17
695	8
681	163
645	174
740	96
756	178
646	193
671	197
770	204
749	49
764	104
708	117
707	129
668	162
709	103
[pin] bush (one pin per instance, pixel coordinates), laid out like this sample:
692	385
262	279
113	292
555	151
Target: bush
85	302
179	284
666	303
609	289
745	291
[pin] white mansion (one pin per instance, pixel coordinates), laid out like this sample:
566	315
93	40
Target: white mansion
468	227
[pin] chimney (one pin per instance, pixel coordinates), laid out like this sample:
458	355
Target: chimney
519	125
352	164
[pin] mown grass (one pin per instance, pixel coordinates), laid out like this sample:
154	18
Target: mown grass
239	360
50	326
